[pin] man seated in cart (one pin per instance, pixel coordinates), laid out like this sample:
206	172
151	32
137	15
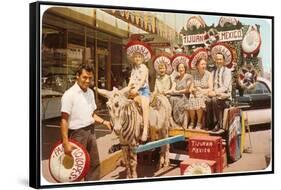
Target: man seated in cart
220	96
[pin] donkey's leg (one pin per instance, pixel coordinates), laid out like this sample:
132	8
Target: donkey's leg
164	151
167	152
125	150
133	163
166	148
162	158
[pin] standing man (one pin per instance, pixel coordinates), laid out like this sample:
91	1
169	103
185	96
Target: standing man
220	96
78	117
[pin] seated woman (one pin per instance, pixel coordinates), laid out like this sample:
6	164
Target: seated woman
179	95
202	84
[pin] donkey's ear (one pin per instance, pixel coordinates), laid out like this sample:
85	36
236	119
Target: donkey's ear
105	93
115	89
125	90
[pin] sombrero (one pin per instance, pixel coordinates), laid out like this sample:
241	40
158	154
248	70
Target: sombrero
198	54
139	47
225	50
251	42
198	169
179	58
247	77
65	168
164	60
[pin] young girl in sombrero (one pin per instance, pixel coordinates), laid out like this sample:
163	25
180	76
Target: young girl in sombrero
139	53
163	82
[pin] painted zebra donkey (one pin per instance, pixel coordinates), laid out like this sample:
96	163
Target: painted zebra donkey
127	124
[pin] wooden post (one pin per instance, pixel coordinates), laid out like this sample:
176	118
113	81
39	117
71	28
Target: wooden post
96	69
108	66
85	45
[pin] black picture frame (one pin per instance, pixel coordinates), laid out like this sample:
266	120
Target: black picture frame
35	129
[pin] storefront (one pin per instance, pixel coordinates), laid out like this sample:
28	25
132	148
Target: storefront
68	42
72	36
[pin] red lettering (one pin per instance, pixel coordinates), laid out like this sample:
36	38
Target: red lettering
73	175
78	153
58	151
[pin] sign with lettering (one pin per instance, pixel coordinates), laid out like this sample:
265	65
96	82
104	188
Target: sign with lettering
194	39
224	36
66	168
232	35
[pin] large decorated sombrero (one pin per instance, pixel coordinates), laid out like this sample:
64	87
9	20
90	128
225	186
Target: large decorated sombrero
225	50
198	169
180	58
195	22
251	42
65	168
198	54
163	59
139	47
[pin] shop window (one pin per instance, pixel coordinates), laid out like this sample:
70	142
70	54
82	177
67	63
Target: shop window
55	78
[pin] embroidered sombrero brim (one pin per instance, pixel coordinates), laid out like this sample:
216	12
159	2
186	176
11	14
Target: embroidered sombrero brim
180	58
139	47
162	59
223	49
198	54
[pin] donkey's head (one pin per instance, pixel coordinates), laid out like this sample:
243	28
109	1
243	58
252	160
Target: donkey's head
117	101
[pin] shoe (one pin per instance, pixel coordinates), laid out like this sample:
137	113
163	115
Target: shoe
191	126
198	126
216	128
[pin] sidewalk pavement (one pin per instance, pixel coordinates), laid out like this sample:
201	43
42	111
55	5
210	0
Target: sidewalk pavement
255	161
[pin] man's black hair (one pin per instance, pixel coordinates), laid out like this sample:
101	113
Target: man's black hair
86	66
221	54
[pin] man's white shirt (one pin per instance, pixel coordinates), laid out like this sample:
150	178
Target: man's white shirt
79	105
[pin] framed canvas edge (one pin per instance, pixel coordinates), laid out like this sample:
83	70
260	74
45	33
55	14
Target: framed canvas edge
34	95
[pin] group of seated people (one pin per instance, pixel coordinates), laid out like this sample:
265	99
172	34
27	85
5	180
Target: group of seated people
193	95
190	95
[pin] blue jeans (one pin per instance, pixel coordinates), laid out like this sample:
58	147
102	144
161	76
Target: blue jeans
144	91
